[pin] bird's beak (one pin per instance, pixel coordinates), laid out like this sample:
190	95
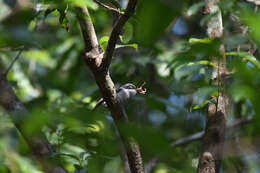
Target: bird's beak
141	90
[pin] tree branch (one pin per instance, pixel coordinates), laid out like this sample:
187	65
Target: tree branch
88	31
130	9
196	137
39	146
108	7
99	65
188	139
199	135
13	61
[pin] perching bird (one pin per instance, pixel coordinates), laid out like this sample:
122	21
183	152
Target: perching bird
124	93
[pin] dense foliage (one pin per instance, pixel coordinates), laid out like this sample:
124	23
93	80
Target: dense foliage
165	45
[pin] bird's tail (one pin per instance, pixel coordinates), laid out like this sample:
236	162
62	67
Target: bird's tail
99	103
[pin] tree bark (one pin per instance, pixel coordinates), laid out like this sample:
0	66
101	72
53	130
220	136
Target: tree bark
214	137
99	63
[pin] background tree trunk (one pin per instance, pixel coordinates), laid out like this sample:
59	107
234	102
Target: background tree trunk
214	137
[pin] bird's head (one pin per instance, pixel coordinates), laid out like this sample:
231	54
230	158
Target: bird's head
130	86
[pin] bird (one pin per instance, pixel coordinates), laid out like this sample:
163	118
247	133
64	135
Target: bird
124	94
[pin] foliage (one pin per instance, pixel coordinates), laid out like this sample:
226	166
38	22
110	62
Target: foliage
60	92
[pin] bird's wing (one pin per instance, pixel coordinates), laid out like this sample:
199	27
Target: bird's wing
99	103
102	101
118	89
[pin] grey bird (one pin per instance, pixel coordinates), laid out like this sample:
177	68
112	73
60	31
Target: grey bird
124	94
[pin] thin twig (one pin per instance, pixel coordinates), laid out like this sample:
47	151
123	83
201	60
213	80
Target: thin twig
199	135
13	61
108	7
196	137
185	140
130	9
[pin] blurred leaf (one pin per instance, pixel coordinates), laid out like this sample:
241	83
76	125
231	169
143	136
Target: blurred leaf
40	56
19	18
90	3
197	49
103	42
147	136
135	46
242	92
128	33
196	107
63	18
148	31
249	17
195	8
197	40
246	57
204	94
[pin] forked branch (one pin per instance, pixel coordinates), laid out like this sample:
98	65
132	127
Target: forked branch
130	9
99	64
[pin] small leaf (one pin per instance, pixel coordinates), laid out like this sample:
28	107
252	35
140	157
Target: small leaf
246	57
204	94
128	33
197	40
64	21
202	62
196	107
103	42
128	45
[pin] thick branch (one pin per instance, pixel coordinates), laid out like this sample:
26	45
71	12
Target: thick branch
130	9
39	146
99	67
88	31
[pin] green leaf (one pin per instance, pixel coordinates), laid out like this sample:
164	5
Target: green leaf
64	21
246	57
128	33
103	42
128	45
196	107
202	62
89	3
251	19
197	40
195	8
203	94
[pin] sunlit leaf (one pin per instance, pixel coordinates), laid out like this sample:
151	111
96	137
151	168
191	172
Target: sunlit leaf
197	40
103	42
135	46
246	57
128	33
